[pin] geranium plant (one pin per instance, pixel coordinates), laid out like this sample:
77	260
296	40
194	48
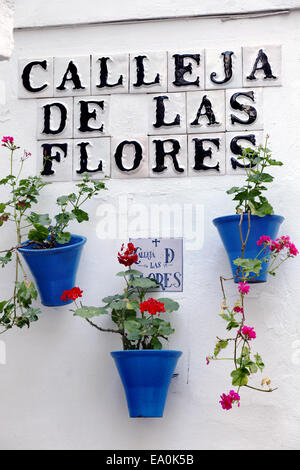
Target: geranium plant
250	196
136	316
247	363
36	228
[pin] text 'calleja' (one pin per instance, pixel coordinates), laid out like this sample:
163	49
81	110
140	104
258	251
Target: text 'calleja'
148	114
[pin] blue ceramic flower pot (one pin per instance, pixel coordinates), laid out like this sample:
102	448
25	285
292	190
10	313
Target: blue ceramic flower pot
146	376
54	270
228	228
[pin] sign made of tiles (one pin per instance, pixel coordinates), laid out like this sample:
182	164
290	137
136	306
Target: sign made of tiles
148	114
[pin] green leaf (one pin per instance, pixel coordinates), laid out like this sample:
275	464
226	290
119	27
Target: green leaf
62	200
2	305
5	259
42	219
40	234
155	343
118	304
64	218
110	298
80	215
63	237
170	305
249	265
90	312
259	362
133	326
144	283
2	207
240	377
219	346
129	272
26	292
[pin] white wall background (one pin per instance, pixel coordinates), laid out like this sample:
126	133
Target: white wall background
60	388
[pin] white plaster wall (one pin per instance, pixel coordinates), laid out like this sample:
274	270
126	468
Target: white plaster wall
6	28
60	388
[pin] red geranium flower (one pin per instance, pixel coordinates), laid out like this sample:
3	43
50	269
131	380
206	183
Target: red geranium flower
152	306
128	256
71	294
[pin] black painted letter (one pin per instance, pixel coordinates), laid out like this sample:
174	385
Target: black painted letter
47	118
252	113
48	157
181	69
227	60
160	113
86	115
265	66
26	76
84	160
201	154
238	150
119	155
140	73
206	104
161	154
104	75
72	70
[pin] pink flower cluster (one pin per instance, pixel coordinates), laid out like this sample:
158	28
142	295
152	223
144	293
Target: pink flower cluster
279	244
248	332
244	287
228	400
7	140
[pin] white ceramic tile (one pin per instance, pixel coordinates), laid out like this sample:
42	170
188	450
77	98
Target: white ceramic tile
50	118
206	154
126	153
243	140
248	98
149	68
268	57
73	75
210	107
93	156
192	70
91	116
168	108
40	73
174	164
117	67
219	60
60	155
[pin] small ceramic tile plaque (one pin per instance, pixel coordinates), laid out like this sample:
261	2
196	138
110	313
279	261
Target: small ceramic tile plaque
205	111
148	72
223	68
235	142
206	154
35	78
167	114
168	156
244	109
129	157
72	76
262	66
110	74
91	157
91	116
55	160
161	259
55	118
186	71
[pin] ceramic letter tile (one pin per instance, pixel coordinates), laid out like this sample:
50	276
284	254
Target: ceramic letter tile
55	118
91	157
206	154
190	70
129	157
206	111
223	65
172	165
268	60
91	116
77	79
253	100
167	108
235	142
148	72
36	75
110	74
58	165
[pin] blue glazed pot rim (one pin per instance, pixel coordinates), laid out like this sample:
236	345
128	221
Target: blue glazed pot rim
81	240
147	352
230	218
